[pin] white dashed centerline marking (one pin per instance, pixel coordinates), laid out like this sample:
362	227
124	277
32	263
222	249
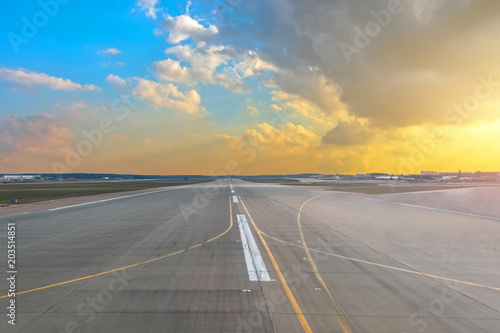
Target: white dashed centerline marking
256	267
235	199
451	211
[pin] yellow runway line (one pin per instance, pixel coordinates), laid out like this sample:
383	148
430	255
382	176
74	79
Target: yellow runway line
288	291
340	318
133	265
386	266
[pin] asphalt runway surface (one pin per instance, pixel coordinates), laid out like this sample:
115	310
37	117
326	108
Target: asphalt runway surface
248	257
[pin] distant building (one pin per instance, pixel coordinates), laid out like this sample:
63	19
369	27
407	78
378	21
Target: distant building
429	173
17	178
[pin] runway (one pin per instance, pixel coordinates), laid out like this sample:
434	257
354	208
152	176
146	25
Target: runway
246	257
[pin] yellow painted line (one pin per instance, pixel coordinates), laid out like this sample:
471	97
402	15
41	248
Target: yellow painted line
133	265
387	266
16	214
288	291
230	223
94	275
340	318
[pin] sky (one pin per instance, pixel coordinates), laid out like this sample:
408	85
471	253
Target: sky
219	87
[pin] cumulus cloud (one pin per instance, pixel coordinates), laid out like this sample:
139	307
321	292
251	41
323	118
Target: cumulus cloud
229	141
268	147
112	51
183	27
276	107
252	64
423	58
29	78
253	110
148	6
301	106
168	95
172	70
73	107
205	64
287	136
117	81
201	56
215	64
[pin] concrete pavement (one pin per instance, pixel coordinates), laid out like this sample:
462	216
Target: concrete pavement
178	261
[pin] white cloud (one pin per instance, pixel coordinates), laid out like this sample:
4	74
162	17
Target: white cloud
253	110
207	64
252	64
73	107
313	89
299	53
276	107
283	136
172	70
303	107
117	81
183	27
28	78
112	51
168	95
210	57
149	6
158	32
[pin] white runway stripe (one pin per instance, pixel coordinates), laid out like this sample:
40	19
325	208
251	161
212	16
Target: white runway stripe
451	211
256	267
117	198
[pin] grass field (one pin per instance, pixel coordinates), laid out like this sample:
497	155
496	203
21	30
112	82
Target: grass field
34	192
